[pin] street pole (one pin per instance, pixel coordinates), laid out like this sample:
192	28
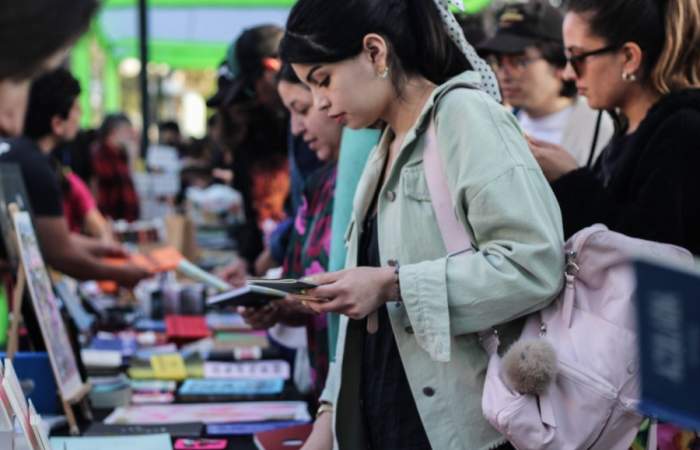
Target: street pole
143	76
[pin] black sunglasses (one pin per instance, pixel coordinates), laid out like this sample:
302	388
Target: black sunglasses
577	61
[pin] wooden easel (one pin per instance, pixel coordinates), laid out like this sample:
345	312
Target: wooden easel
80	397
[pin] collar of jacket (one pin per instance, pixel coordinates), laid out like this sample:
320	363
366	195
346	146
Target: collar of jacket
375	164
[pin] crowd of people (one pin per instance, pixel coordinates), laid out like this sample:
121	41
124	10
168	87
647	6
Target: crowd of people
554	120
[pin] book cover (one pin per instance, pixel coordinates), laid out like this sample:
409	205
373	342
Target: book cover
186	328
249	428
145	442
185	430
209	413
668	302
215	389
288	285
250	296
248	370
283	439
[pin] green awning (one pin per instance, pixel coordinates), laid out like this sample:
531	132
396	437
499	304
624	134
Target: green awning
184	34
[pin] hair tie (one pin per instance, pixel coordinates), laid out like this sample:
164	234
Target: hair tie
489	83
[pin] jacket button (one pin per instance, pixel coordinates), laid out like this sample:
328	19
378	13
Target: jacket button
409	330
391	195
428	391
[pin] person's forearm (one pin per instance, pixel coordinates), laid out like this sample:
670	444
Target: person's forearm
97	227
78	263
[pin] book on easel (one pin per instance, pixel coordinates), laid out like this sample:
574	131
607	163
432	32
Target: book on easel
33	275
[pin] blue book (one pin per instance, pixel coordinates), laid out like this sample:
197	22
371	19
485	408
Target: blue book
668	301
230	388
242	429
150	325
36	376
127	347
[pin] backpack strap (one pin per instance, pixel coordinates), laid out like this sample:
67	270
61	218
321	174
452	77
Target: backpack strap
454	234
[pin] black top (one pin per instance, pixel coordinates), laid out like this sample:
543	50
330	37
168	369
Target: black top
43	187
391	418
644	185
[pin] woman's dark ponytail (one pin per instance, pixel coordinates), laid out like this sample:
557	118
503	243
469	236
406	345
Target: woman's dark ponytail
414	30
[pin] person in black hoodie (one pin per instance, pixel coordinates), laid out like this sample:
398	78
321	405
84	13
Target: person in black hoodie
640	58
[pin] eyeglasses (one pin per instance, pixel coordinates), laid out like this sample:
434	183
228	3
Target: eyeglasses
577	61
513	62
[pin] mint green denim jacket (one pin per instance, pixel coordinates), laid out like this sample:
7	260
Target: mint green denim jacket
500	192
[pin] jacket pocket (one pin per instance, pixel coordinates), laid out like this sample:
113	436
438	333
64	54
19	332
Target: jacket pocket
414	184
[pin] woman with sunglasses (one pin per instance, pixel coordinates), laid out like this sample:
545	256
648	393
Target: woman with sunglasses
640	58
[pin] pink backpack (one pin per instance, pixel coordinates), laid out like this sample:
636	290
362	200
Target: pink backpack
572	379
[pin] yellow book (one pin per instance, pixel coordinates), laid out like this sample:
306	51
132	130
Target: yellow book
169	367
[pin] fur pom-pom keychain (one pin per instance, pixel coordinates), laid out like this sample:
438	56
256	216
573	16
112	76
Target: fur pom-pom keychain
530	366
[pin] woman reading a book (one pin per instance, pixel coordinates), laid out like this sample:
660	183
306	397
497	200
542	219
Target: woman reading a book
309	246
409	369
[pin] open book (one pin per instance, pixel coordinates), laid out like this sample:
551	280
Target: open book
259	292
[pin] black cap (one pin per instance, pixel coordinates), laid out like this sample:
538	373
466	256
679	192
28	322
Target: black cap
522	25
255	50
223	84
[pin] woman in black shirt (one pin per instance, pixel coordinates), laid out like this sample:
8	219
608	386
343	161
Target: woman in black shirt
640	58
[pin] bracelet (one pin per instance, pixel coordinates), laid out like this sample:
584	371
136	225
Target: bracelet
324	407
397	280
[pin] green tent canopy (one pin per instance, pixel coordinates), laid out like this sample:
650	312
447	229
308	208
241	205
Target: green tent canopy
184	34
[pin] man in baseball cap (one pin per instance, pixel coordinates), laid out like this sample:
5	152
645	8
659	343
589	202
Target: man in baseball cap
527	54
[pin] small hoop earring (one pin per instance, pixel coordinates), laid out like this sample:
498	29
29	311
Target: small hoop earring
629	77
384	73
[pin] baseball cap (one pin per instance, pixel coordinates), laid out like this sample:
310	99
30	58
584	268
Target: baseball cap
521	25
249	55
223	83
